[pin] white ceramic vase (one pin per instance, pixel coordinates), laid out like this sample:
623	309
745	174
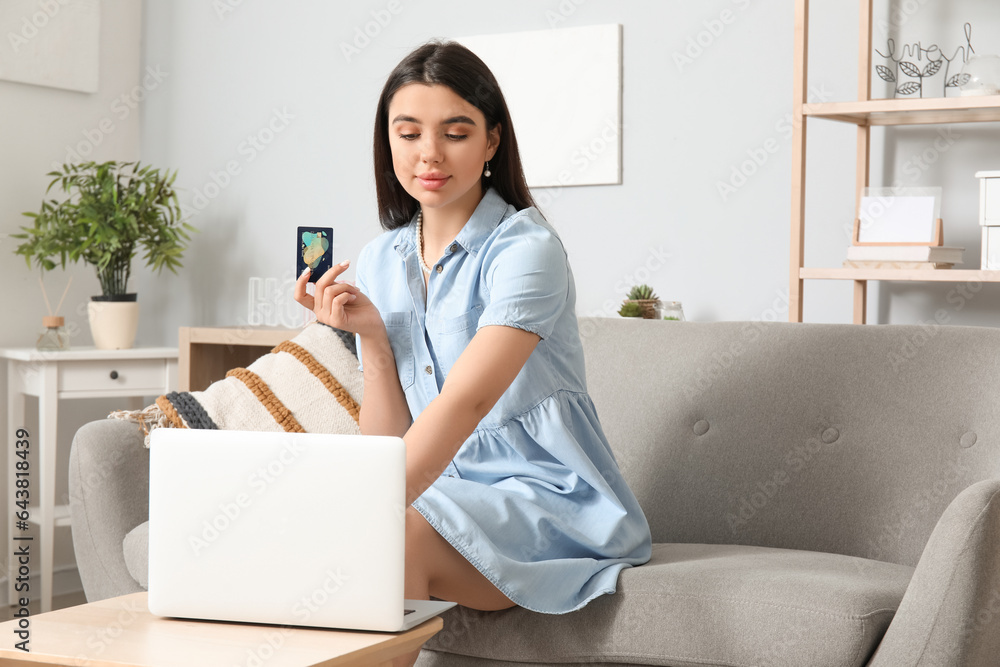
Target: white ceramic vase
113	323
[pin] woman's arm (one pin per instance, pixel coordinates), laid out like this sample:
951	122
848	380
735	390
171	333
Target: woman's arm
383	410
476	382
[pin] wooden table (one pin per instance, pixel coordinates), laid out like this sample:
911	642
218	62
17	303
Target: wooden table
121	631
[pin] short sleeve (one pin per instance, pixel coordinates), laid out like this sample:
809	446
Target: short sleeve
526	275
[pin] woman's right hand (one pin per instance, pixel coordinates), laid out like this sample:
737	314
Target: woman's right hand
339	304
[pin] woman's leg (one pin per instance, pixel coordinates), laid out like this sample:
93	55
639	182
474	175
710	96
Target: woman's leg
434	567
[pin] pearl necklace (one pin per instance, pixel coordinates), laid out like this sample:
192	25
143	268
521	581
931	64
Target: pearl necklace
420	242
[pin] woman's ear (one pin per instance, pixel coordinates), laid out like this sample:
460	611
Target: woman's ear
492	142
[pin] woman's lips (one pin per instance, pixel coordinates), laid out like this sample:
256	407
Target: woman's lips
433	182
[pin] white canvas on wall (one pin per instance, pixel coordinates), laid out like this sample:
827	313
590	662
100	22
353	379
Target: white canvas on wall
564	90
50	43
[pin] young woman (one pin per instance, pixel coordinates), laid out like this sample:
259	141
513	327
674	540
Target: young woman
465	315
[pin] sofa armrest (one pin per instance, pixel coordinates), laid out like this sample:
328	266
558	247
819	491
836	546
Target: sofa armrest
108	497
950	614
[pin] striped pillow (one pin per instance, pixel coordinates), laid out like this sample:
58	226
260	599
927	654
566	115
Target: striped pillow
310	383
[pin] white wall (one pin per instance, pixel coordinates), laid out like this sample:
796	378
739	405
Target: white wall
687	126
40	127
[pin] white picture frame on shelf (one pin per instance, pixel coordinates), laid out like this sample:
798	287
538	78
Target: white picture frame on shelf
899	216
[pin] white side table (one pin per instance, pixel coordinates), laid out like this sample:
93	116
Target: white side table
84	372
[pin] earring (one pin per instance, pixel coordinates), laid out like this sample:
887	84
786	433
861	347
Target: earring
487	173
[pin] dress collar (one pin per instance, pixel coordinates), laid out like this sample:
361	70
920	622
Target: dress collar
488	214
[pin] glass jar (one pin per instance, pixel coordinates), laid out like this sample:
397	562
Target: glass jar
981	76
55	336
672	310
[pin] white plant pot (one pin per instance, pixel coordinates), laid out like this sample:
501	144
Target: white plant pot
113	323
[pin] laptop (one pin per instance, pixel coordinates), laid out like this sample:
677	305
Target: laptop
280	528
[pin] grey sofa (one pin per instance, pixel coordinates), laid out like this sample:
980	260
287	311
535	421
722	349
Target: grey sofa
818	495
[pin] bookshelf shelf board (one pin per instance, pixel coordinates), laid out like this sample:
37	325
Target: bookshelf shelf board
917	275
910	111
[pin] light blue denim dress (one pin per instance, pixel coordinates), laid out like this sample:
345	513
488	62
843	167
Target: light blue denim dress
534	498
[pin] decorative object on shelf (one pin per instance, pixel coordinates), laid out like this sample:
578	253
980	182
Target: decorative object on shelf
112	209
55	336
981	76
645	298
920	71
630	309
672	310
989	218
899	216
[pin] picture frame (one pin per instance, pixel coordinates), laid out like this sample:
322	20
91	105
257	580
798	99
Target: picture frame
899	216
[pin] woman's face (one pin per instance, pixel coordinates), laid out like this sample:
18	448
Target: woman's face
439	145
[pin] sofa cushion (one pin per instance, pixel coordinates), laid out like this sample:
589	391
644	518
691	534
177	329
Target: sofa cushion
696	604
136	548
310	383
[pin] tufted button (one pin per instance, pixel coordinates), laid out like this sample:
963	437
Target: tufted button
454	247
700	427
830	435
968	439
439	268
428	370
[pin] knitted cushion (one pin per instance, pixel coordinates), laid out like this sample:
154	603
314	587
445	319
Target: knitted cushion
309	384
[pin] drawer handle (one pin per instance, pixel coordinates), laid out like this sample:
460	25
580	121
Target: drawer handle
114	375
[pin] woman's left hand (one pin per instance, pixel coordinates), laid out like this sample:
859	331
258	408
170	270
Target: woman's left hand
339	304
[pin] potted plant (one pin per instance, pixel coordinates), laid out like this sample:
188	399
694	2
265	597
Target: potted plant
112	210
641	300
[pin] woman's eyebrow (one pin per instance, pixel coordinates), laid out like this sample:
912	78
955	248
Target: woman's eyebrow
447	121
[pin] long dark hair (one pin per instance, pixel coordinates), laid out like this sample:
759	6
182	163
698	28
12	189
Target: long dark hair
449	64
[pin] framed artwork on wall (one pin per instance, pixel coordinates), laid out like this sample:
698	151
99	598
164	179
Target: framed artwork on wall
51	44
564	90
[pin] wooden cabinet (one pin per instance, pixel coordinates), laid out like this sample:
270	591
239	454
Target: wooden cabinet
206	354
865	114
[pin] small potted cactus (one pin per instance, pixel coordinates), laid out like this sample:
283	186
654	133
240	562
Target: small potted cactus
643	297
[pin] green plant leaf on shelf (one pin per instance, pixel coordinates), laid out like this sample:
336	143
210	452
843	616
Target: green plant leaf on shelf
641	293
630	309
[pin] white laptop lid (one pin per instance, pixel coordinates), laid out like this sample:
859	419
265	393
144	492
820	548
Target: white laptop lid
286	528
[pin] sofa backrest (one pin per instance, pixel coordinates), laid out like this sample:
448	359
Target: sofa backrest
827	437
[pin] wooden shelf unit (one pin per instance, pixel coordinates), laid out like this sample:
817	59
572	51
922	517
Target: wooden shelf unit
206	354
865	114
